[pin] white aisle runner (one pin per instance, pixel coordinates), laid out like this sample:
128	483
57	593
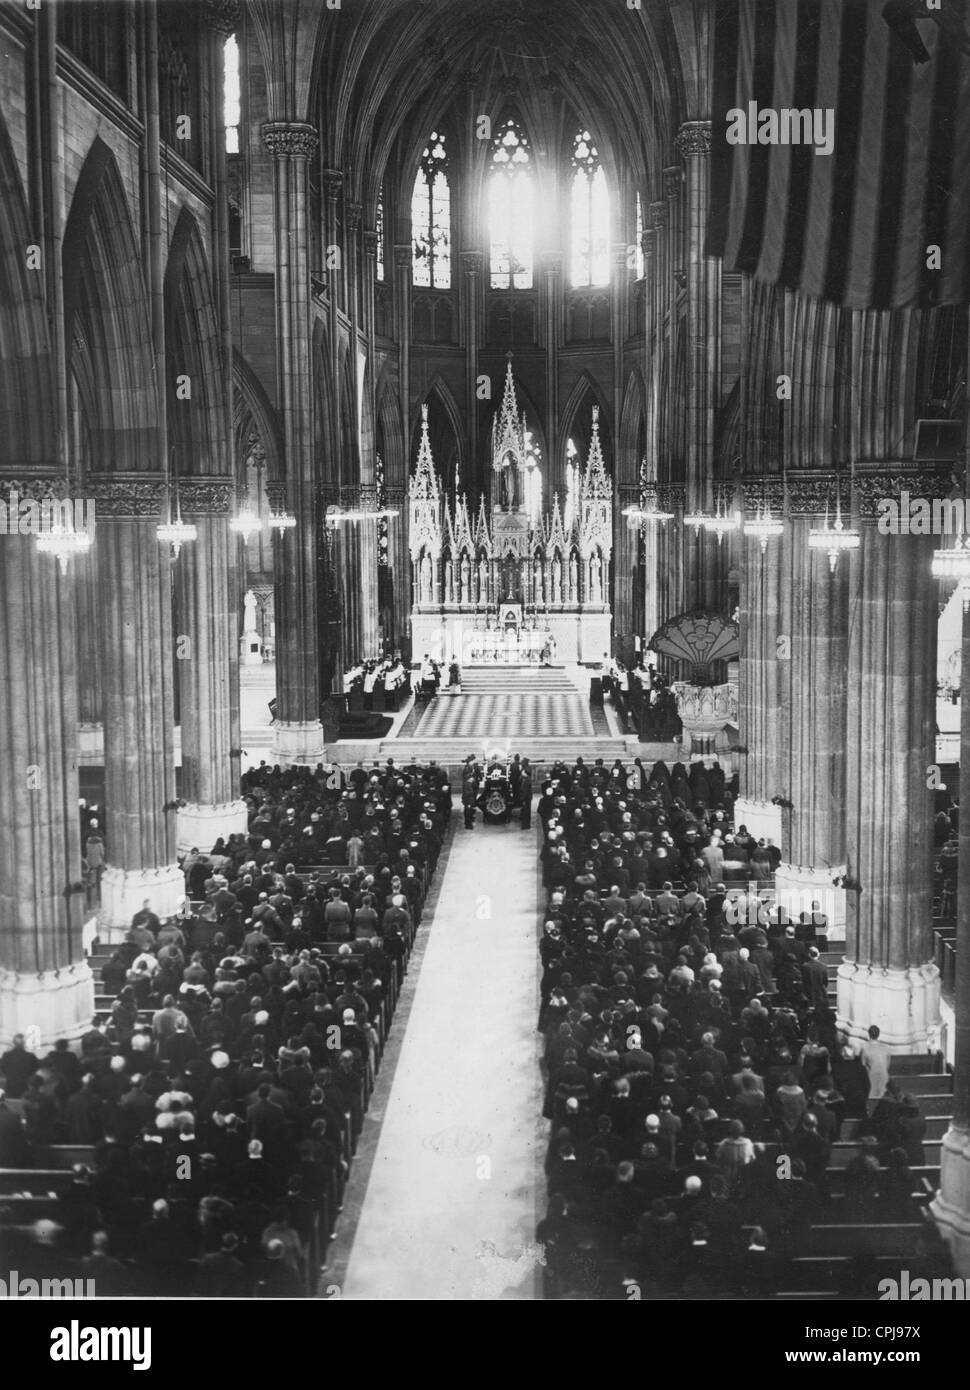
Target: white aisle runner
450	1207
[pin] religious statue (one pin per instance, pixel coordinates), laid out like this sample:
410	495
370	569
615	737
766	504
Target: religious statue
509	471
596	579
426	578
537	580
249	611
466	572
573	579
483	580
557	580
449	577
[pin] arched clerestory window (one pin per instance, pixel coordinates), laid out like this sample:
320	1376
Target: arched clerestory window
431	217
589	216
511	195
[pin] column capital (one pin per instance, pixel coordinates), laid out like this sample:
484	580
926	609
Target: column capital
207	496
371	241
693	138
646	242
671	497
552	262
333	182
222	16
887	481
33	488
760	489
132	495
673	178
353	212
402	256
472	262
276	496
290	139
658	215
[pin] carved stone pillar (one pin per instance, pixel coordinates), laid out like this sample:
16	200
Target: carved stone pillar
763	683
705	557
889	977
472	312
46	987
207	666
136	654
299	733
816	653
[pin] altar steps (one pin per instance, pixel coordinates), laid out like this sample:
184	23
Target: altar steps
516	680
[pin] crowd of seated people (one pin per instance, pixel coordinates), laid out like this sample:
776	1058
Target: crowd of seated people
225	1092
383	683
695	1082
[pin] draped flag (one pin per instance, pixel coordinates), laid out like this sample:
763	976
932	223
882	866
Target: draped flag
840	157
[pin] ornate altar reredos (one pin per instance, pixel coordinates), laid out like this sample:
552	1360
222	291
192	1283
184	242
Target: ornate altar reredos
468	570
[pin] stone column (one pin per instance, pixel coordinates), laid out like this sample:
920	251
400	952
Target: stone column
299	733
888	977
813	840
204	650
763	681
472	333
552	311
46	987
951	1205
136	654
402	325
703	282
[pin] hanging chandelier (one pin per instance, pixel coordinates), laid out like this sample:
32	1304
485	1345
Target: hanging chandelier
282	521
63	542
721	523
175	532
649	512
764	526
834	539
246	523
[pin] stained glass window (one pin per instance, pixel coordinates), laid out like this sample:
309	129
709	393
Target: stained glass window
231	70
590	216
431	217
379	228
511	190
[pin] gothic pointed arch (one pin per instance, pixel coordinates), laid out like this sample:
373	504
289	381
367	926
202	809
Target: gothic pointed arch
446	431
577	416
253	412
26	365
106	307
630	431
193	350
391	439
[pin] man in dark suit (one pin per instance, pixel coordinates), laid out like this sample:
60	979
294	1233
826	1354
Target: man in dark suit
815	979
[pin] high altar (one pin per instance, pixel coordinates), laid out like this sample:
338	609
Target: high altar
510	585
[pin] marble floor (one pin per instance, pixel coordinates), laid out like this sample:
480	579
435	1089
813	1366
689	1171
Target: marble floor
449	1209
